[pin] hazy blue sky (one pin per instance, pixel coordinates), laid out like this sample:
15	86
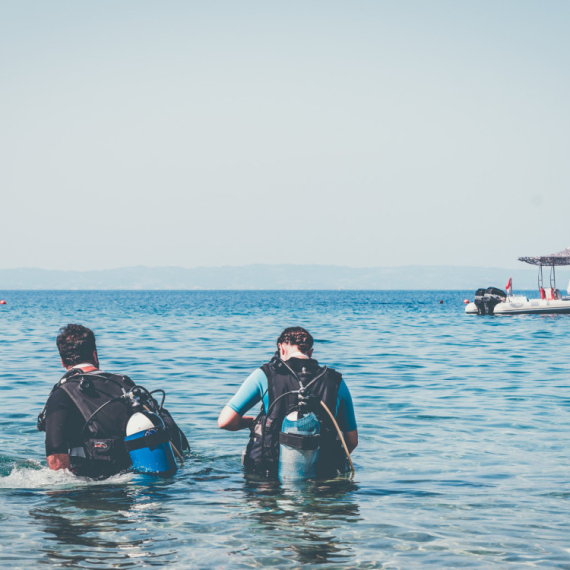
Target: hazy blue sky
357	133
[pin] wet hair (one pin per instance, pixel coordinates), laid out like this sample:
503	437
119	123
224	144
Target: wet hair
297	336
76	344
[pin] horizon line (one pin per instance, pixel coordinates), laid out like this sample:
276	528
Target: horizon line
264	265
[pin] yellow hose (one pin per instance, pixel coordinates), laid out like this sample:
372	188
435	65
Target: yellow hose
341	437
177	453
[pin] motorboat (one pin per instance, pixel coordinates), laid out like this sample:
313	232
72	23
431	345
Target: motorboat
519	305
493	301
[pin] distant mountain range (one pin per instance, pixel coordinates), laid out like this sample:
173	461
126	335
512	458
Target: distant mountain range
276	277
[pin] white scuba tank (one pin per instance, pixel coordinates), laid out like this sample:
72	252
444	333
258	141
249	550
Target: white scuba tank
296	463
138	422
148	445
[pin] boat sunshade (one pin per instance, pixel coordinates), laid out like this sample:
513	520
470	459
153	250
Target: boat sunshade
560	258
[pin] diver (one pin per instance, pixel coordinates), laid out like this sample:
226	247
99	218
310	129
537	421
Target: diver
306	427
88	414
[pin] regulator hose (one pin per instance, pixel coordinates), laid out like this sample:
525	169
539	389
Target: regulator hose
97	411
340	436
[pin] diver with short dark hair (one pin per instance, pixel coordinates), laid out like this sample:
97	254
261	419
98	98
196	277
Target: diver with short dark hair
306	427
86	415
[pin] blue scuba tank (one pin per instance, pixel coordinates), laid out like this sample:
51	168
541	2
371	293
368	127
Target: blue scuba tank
149	446
299	447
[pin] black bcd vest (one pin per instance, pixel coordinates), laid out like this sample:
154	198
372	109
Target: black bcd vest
100	393
262	452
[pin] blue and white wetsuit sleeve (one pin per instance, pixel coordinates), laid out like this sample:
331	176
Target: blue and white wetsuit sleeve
250	393
345	411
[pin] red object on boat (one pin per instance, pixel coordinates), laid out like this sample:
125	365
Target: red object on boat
552	294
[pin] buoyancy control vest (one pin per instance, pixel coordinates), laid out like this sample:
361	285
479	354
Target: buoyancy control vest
284	380
100	398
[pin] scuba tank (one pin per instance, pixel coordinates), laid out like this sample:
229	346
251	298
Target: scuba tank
148	444
299	443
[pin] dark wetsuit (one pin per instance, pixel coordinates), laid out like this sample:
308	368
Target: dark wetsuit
63	424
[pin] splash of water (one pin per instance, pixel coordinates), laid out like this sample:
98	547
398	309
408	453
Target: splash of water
45	478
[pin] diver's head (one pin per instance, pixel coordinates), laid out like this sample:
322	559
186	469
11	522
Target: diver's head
295	340
76	345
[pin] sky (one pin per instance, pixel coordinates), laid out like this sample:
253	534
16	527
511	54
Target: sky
362	133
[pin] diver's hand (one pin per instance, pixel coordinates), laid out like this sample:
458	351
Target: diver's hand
58	461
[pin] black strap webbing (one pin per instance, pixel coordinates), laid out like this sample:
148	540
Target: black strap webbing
152	440
300	441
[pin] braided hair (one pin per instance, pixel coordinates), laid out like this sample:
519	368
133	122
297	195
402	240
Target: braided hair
297	336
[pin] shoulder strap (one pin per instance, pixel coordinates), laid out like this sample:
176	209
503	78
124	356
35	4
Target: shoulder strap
41	423
92	395
270	373
336	376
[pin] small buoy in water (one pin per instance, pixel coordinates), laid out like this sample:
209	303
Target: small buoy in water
2	302
466	301
441	301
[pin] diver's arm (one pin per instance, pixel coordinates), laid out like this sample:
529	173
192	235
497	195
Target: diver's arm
346	418
250	393
58	461
230	420
351	439
58	409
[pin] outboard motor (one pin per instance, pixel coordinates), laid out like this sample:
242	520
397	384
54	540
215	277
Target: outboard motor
479	294
493	297
299	446
149	446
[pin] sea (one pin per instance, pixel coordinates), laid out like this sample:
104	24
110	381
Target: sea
463	459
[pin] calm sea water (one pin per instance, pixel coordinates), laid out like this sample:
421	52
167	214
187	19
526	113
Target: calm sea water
463	461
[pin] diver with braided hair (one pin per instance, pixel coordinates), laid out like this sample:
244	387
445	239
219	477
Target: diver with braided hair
306	427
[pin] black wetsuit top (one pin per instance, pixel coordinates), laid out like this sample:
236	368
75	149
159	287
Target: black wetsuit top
63	424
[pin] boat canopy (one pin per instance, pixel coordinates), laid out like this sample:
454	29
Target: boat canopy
560	258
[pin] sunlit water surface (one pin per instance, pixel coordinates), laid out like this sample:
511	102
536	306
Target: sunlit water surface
463	459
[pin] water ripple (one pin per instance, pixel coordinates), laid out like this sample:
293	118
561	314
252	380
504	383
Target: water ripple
463	422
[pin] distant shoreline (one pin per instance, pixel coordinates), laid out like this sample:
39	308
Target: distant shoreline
5	292
275	278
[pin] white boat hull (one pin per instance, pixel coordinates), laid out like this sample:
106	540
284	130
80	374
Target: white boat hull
471	309
526	307
541	306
